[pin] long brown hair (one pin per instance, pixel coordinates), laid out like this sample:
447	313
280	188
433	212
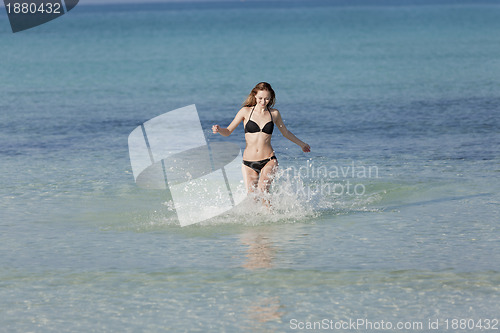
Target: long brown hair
251	100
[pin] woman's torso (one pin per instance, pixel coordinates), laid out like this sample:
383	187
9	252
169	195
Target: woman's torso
258	144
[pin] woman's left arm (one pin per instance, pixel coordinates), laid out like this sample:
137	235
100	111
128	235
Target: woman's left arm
289	135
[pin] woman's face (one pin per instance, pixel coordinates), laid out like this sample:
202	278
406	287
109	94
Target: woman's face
263	97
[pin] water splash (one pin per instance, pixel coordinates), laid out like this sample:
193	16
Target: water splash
292	199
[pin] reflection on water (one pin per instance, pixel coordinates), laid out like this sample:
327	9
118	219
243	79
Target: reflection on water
266	309
260	254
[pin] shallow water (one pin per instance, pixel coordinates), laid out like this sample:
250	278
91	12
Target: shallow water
409	91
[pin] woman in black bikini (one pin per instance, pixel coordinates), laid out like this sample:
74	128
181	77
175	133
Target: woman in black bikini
259	161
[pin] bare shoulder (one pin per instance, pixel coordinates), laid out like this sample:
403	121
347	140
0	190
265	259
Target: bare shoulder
275	112
244	111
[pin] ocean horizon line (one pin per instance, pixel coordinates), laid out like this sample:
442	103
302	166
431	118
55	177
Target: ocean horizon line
343	3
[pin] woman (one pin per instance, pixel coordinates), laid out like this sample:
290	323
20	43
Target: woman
259	161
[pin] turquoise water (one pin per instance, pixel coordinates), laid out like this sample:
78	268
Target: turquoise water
411	91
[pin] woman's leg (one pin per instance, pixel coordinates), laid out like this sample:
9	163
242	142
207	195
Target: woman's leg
251	178
267	175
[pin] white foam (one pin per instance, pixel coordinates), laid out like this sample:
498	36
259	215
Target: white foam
290	200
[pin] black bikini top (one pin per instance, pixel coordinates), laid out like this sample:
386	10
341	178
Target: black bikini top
253	127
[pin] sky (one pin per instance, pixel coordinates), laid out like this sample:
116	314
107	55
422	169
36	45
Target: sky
93	2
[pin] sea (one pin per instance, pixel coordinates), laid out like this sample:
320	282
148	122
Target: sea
390	223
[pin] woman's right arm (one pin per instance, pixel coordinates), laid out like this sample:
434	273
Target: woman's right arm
236	121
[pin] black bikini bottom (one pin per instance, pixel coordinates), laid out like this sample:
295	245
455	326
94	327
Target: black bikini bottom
258	165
